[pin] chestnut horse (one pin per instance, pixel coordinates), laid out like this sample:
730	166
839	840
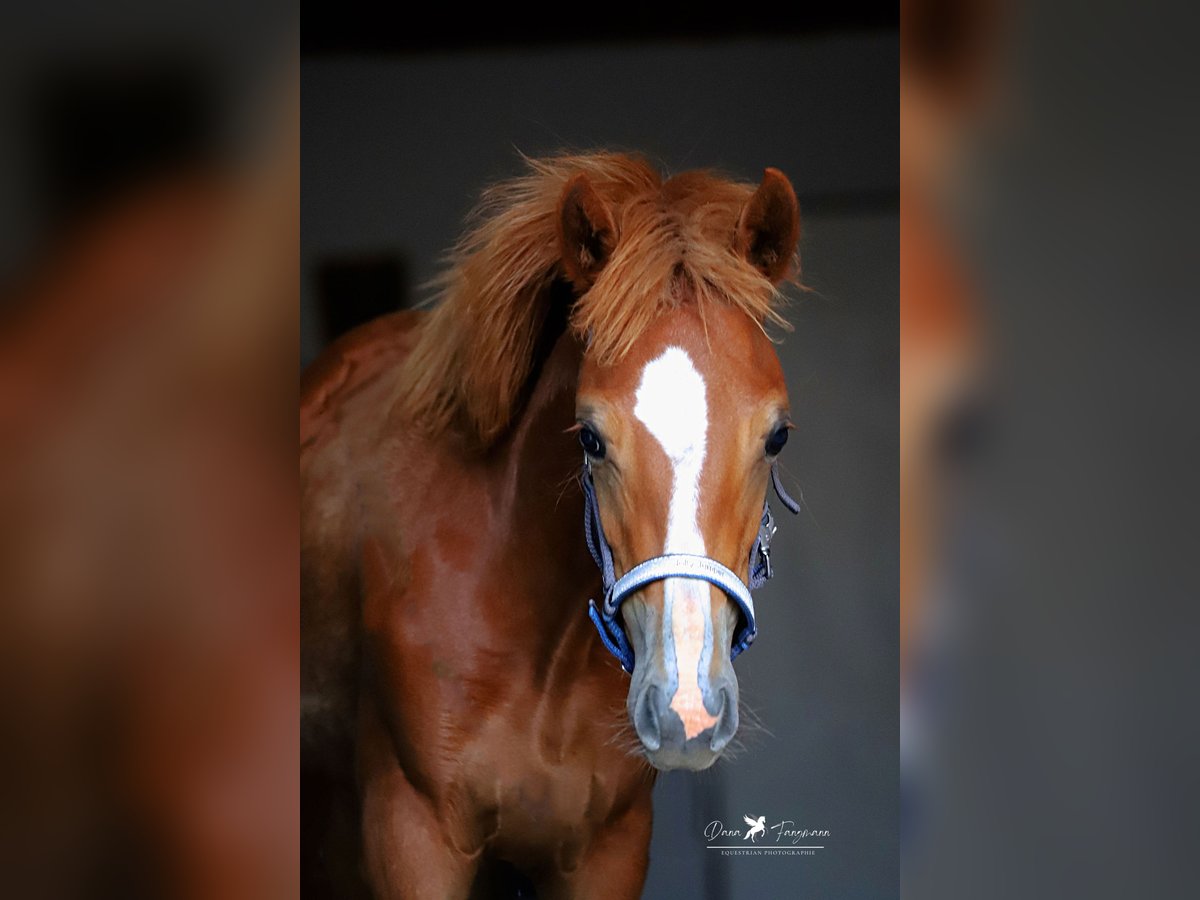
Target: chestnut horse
447	639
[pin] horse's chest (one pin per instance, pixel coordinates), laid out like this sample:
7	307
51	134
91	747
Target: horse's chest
540	777
542	781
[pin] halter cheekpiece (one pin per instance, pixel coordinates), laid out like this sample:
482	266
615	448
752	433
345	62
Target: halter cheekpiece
674	565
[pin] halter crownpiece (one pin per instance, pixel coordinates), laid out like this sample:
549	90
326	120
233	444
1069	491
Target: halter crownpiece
674	565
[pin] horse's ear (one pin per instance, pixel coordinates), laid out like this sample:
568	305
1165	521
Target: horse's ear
586	233
769	226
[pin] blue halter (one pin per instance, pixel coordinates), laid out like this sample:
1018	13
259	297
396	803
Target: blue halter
674	565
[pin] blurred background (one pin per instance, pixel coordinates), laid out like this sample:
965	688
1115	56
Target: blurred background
1048	586
404	124
149	661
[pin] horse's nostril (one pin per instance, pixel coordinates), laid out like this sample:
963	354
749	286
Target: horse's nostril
727	721
645	718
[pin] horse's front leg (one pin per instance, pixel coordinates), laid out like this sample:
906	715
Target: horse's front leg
614	865
407	851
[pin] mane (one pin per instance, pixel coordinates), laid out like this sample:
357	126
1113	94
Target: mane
675	245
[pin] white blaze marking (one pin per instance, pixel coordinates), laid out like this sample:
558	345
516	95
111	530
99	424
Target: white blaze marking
672	404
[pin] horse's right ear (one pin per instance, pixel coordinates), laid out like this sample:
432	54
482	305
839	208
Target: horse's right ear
769	226
586	233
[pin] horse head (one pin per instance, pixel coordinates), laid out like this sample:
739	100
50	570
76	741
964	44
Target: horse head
680	431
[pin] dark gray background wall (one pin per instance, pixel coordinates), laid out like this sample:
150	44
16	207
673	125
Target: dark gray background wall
395	151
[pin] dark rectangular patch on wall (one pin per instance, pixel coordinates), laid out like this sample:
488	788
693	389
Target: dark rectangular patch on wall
355	290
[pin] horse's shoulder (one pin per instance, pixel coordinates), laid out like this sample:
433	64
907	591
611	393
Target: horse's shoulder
354	359
330	599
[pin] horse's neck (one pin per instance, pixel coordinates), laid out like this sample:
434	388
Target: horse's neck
540	460
539	454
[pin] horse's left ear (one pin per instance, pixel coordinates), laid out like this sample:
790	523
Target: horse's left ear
586	232
769	226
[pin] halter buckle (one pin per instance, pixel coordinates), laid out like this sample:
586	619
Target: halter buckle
609	609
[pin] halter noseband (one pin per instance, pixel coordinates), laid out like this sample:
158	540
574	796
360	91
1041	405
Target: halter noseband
674	565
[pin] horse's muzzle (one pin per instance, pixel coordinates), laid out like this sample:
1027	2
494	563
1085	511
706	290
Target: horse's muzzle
662	732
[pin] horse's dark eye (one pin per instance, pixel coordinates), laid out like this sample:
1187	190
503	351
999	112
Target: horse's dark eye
592	445
776	441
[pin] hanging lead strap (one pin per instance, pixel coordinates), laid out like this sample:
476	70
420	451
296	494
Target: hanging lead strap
760	556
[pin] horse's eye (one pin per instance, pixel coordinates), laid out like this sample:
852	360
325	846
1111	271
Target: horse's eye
592	445
776	441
